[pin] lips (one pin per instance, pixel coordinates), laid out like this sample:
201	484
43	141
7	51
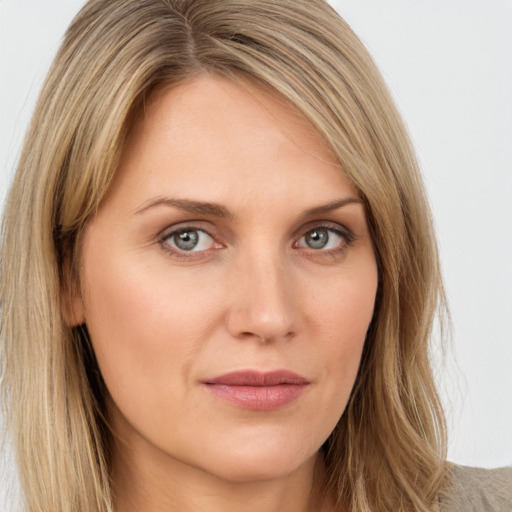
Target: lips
258	390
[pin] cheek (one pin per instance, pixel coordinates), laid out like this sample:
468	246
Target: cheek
343	307
146	326
340	316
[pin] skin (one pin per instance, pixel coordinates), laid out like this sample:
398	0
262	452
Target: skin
253	294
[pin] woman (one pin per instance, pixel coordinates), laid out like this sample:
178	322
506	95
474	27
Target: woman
219	272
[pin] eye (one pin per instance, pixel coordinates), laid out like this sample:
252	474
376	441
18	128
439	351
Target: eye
189	240
323	238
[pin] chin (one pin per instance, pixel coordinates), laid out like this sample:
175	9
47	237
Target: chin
257	464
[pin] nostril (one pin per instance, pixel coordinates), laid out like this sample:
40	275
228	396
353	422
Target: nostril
265	339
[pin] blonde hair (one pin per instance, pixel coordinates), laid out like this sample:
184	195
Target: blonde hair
387	452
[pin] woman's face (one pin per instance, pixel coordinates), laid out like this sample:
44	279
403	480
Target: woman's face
228	281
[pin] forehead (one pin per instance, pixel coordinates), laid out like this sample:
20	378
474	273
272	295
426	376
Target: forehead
210	135
213	100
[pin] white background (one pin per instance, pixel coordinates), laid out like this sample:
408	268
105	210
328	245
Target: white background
449	66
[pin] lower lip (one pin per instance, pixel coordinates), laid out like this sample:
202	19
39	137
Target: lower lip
258	398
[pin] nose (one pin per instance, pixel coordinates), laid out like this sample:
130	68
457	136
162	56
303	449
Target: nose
263	304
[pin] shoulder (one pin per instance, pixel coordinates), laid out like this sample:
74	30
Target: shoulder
478	490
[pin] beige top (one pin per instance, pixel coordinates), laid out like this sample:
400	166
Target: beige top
479	490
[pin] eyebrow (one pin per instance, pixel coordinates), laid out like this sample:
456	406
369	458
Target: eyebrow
187	205
333	205
217	210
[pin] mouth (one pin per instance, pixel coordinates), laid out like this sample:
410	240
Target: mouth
260	391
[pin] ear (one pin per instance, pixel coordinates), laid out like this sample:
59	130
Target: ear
72	307
72	310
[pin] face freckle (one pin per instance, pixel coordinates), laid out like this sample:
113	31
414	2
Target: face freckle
228	284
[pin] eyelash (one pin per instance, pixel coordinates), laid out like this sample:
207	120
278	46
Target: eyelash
346	235
180	253
347	239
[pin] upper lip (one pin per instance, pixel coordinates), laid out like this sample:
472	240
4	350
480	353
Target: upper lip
258	378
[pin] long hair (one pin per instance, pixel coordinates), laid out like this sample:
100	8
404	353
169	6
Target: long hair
387	452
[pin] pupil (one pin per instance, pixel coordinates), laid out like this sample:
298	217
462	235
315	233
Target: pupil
186	240
317	239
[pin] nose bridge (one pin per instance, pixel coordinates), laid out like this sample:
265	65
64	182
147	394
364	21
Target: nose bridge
263	304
